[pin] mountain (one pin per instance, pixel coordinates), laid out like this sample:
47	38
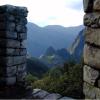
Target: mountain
76	50
53	57
36	67
64	54
50	51
40	38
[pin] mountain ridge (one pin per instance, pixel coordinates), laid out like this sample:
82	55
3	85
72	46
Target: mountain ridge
40	38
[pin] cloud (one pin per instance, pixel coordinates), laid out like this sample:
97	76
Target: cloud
45	12
75	4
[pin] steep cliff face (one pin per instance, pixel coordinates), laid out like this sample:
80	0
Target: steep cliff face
76	49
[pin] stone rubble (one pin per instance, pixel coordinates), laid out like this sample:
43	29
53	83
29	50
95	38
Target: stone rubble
39	94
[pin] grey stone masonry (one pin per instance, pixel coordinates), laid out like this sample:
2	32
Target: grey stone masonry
39	94
91	68
13	33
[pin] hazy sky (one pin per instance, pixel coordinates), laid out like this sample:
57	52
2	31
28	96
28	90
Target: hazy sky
52	12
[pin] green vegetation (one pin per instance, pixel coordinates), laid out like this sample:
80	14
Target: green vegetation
36	68
66	80
30	78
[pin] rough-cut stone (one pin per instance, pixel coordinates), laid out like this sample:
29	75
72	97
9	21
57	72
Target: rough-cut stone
23	44
12	52
9	43
92	56
21	29
92	20
8	34
22	36
92	36
36	91
41	94
9	52
21	11
23	52
21	76
14	60
7	8
96	5
21	21
11	71
14	10
6	17
13	35
19	59
11	80
2	71
90	75
21	68
88	5
98	82
66	98
7	26
53	96
91	92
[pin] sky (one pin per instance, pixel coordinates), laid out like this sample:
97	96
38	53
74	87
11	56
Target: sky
52	12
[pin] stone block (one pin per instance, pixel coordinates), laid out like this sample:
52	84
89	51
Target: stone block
2	71
21	68
7	9
92	56
66	98
8	34
96	5
11	61
7	26
98	82
53	96
88	5
22	36
91	92
21	20
41	94
9	52
90	75
21	28
12	52
36	91
19	60
3	26
14	10
23	52
21	11
10	80
11	71
2	17
92	35
21	76
23	44
9	43
92	20
6	17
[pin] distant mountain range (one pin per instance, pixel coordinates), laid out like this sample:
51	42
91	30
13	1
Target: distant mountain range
54	57
41	38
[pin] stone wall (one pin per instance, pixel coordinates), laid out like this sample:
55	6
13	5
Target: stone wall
92	49
13	32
